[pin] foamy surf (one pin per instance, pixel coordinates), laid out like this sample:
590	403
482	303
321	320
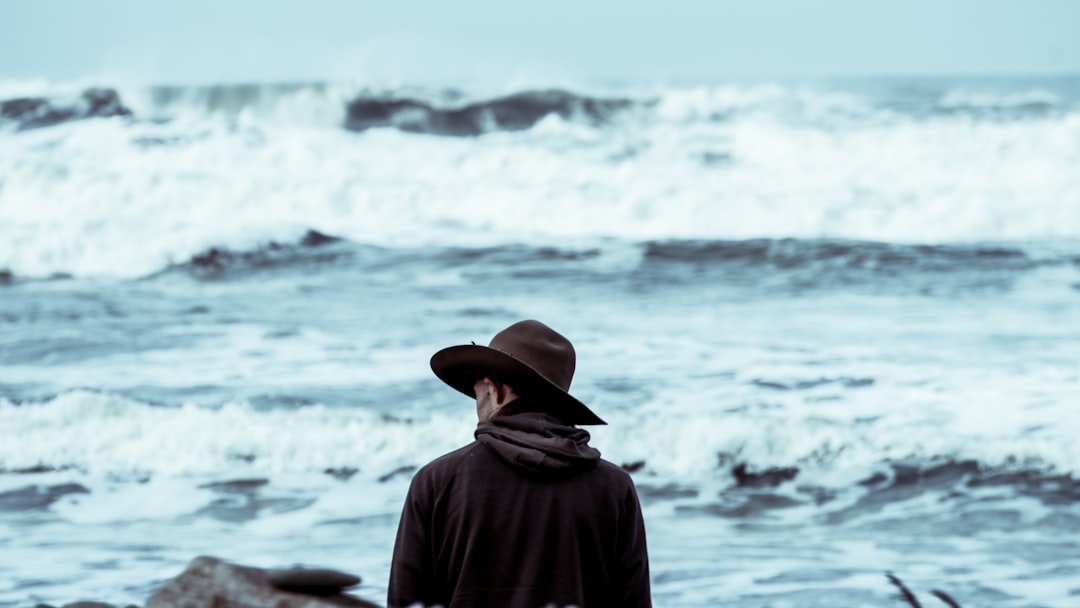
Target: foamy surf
190	170
101	434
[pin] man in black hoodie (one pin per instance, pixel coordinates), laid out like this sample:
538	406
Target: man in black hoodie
528	515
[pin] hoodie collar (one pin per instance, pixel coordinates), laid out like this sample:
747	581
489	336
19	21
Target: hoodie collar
538	443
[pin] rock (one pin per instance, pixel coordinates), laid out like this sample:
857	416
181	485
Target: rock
209	581
312	581
87	604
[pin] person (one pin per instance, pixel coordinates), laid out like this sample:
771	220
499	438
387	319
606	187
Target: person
528	515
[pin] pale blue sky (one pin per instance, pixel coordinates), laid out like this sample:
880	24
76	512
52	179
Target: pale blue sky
463	41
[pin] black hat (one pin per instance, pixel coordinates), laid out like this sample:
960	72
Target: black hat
534	359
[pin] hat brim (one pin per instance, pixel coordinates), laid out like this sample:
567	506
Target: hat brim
461	366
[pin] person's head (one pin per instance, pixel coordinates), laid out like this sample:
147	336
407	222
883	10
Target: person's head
527	359
491	397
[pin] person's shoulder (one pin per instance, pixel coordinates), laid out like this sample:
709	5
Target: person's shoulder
613	472
449	461
618	483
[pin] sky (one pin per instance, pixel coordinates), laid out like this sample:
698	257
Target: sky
465	41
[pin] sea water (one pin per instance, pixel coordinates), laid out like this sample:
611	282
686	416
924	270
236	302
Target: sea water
834	327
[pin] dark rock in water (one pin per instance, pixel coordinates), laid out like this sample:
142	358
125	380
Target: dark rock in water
88	604
35	112
769	478
6	276
633	467
312	581
208	581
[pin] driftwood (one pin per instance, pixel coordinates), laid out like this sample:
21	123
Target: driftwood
910	598
209	581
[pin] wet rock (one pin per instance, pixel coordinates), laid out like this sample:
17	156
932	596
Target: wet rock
312	581
209	581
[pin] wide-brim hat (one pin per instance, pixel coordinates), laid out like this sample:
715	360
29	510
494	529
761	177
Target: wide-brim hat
534	359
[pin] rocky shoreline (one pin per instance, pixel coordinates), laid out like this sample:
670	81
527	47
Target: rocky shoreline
209	581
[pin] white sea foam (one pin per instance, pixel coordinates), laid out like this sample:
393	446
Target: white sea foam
115	198
103	434
107	434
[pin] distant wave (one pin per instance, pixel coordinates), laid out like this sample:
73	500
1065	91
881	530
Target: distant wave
216	263
803	264
1028	104
794	252
409	113
193	170
824	263
38	112
509	113
456	113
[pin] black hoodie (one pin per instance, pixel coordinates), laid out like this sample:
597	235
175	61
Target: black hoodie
526	516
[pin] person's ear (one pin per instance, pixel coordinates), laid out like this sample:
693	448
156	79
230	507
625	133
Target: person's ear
504	392
487	384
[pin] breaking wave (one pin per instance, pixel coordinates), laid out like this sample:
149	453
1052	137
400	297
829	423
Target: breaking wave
107	434
191	170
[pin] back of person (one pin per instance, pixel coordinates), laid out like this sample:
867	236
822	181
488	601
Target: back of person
528	515
519	526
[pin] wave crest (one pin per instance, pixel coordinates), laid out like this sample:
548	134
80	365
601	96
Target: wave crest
39	112
513	112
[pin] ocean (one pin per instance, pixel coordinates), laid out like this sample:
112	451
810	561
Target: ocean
834	326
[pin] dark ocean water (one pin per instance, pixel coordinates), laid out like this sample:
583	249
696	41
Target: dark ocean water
835	328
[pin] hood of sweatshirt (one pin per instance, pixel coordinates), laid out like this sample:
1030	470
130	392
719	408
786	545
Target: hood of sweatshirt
538	443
